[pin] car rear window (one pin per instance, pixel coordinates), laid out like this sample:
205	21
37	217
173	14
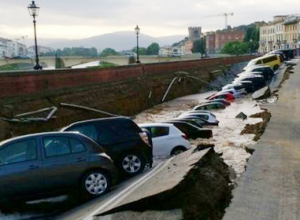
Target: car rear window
88	130
158	131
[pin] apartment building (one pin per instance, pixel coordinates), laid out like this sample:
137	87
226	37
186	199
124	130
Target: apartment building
10	48
282	33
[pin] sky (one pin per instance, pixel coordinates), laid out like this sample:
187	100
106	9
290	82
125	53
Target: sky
76	19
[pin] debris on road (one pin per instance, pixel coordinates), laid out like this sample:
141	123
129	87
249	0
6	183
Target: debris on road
241	115
259	128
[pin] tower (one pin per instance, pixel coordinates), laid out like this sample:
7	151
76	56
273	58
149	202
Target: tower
194	33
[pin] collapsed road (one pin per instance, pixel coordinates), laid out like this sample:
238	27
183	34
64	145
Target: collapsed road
183	172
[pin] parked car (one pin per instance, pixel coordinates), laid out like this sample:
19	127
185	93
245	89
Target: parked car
257	81
40	165
190	121
191	131
127	145
209	117
234	92
236	86
210	106
272	61
265	71
223	101
228	96
193	120
167	139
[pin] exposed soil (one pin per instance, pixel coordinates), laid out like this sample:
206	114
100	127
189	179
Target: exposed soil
203	194
259	128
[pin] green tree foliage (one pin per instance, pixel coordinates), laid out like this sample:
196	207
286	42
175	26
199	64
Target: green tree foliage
236	48
199	46
153	49
108	52
180	42
142	50
74	51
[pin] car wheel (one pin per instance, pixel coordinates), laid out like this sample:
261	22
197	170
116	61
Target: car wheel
177	150
132	163
95	183
275	67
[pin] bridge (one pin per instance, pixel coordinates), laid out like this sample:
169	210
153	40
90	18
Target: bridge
69	61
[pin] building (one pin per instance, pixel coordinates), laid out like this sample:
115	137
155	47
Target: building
215	41
281	33
194	34
41	50
10	48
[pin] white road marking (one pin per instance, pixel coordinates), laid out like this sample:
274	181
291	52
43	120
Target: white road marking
127	191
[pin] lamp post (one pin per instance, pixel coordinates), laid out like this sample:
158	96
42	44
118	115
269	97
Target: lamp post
34	11
137	31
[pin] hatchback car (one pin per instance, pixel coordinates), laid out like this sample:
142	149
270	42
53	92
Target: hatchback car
127	145
167	139
228	96
40	165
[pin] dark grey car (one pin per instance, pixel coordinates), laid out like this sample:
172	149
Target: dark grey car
37	165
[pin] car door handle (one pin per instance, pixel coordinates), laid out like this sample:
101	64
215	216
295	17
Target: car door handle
80	159
33	167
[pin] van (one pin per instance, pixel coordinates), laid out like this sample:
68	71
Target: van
273	61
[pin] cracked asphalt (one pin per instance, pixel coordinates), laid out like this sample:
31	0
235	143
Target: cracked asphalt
270	188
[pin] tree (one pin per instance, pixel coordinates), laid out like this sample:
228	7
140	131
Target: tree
142	50
199	46
153	49
108	52
236	48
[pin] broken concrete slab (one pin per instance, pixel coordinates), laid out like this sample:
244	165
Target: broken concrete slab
262	93
147	215
241	115
201	193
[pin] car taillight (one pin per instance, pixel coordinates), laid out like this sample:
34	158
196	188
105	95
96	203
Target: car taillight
184	136
145	138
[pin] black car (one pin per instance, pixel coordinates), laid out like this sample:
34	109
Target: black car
195	122
198	119
44	164
191	131
124	141
265	71
210	106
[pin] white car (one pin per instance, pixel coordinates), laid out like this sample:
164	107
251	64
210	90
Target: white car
167	139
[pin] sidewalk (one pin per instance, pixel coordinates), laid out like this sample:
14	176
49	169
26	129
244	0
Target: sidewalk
270	188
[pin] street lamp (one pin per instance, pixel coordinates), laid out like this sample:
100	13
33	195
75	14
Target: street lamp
137	31
34	11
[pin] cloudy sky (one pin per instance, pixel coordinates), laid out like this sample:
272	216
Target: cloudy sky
75	19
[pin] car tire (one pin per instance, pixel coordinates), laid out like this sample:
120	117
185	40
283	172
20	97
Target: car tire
177	150
275	67
95	183
132	163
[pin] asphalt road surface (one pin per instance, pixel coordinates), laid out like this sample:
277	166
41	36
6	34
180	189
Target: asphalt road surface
270	188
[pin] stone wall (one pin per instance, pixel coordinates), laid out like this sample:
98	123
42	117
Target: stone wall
120	90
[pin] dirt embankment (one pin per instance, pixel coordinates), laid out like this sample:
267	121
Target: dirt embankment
259	128
204	193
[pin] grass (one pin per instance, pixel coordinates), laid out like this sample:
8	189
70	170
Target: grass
9	67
